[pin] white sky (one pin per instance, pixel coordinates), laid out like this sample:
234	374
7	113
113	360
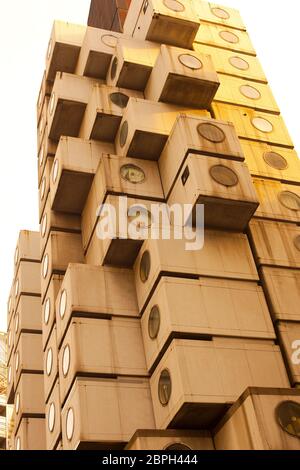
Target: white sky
24	34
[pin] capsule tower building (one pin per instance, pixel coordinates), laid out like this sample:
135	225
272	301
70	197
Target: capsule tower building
138	342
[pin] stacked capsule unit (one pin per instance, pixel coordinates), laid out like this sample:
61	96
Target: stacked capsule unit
25	364
148	344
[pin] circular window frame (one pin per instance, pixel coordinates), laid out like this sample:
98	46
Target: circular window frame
258	118
130	166
269	153
17	403
18	443
226	17
180	10
49	362
17	286
70	436
17	361
114	68
177	444
51	104
164	402
47	310
110	36
297	242
205	125
293	195
53	416
43	188
229	33
154	311
63	301
256	98
17	323
123	134
228	170
65	372
145	276
121	100
240	59
44	225
181	60
277	418
55	171
45	265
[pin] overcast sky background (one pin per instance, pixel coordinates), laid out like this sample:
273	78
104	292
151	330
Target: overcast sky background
24	34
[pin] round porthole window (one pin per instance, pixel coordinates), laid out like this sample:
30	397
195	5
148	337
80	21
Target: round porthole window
17	288
9	374
288	417
17	323
139	216
52	102
119	99
9	338
41	156
297	242
51	417
228	36
290	200
224	175
123	133
17	361
132	173
190	61
275	160
18	444
63	304
154	322
43	188
250	92
47	311
178	446
66	360
49	362
70	423
17	255
41	126
211	132
174	5
164	387
239	63
109	40
45	265
145	266
262	124
17	404
55	171
40	98
113	69
44	225
220	13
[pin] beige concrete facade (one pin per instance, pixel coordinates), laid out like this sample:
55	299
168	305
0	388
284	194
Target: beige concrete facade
139	343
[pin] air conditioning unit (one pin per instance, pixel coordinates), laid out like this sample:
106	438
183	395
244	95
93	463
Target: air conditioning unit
48	307
27	316
206	306
242	92
233	63
182	77
63	49
97	50
99	347
224	187
200	135
73	171
117	175
254	125
57	221
104	413
146	126
224	254
53	417
50	364
270	161
195	381
277	201
132	63
29	398
170	440
31	435
224	38
28	356
289	338
61	249
44	186
96	292
27	281
165	21
213	13
67	105
104	112
276	243
282	287
262	419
